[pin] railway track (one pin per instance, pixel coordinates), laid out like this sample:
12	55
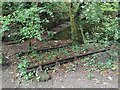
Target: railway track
62	61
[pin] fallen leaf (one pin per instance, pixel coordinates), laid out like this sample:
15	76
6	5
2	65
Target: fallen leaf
63	87
55	41
110	78
96	81
105	83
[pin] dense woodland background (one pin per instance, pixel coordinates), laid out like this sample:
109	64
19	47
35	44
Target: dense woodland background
31	20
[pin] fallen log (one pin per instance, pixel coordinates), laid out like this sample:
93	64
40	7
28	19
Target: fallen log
61	61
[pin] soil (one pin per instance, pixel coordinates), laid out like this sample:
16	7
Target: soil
22	47
77	79
60	79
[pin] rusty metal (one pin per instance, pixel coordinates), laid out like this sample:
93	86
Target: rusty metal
41	49
62	61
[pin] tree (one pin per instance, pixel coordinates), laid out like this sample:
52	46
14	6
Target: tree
77	35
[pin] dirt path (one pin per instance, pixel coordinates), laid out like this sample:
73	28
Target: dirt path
60	79
77	79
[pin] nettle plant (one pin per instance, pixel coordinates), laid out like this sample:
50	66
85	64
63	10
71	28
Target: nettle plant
29	21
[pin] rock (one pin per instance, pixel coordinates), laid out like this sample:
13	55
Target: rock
43	76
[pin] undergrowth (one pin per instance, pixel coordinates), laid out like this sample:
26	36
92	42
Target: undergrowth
92	63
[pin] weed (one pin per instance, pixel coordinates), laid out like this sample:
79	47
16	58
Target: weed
65	52
23	64
33	54
90	76
50	34
76	48
23	69
40	57
71	67
109	64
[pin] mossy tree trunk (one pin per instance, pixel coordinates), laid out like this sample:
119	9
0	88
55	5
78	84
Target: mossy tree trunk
77	36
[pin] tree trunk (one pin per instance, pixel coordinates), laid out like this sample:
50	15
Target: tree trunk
77	36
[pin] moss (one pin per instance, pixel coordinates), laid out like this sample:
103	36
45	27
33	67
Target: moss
77	36
63	34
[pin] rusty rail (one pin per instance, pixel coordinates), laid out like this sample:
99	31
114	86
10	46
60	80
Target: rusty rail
61	61
41	49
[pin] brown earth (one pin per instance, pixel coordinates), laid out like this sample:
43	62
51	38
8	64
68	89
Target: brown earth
60	79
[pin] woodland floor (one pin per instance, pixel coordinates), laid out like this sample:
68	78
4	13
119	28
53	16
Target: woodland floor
60	79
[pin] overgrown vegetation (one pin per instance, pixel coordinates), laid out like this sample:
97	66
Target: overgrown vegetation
95	62
93	26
